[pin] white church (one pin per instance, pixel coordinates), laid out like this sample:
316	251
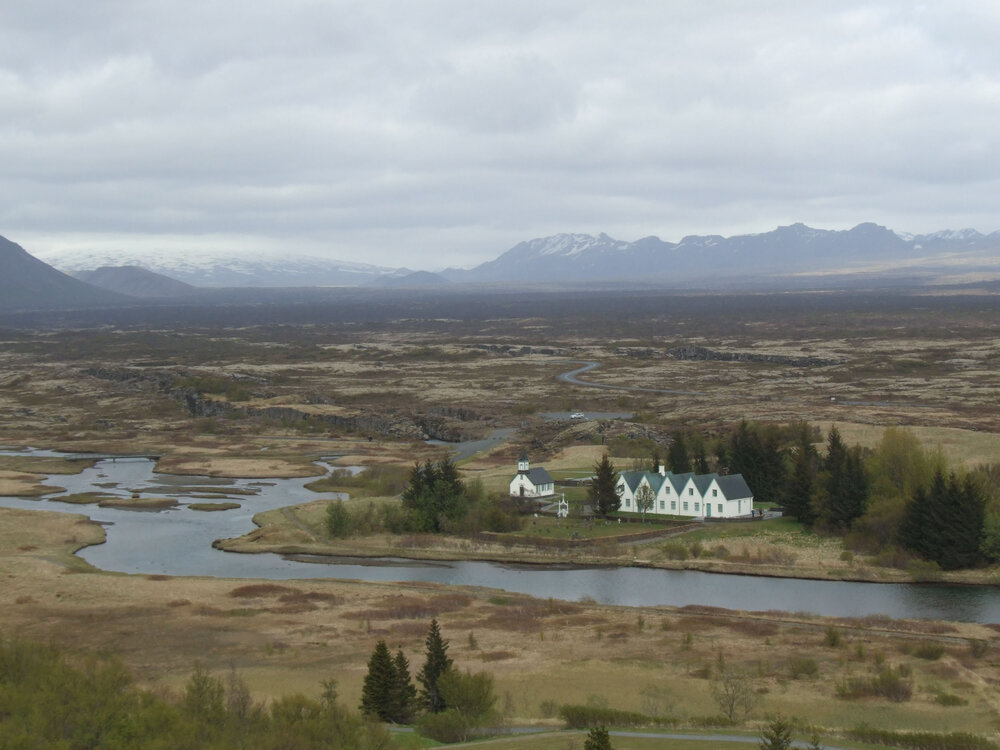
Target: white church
530	482
695	495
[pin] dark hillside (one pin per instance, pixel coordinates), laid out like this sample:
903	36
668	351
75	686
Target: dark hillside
27	283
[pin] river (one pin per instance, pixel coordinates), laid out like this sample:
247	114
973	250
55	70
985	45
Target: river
178	541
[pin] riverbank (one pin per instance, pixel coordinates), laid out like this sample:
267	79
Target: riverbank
286	636
776	548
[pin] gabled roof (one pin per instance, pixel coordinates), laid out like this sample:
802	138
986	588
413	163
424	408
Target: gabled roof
734	486
678	481
703	482
632	478
539	476
655	480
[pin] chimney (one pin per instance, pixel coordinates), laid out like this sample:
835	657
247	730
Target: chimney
663	470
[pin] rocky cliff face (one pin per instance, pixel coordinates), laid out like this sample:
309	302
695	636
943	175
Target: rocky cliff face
450	424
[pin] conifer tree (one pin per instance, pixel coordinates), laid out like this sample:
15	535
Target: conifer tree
846	483
756	454
700	459
677	455
379	685
602	492
598	739
404	694
437	664
800	491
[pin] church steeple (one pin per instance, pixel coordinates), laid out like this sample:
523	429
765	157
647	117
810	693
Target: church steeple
522	463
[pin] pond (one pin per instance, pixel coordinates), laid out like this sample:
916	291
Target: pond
178	541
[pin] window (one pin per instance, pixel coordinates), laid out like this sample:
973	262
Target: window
697	507
715	493
663	504
720	507
666	491
673	505
685	505
690	490
626	502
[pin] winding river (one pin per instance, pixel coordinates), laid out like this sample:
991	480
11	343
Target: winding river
178	541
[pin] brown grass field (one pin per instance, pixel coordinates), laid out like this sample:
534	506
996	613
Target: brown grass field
371	394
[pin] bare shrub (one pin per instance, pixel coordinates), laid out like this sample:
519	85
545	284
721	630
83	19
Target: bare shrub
895	685
800	667
496	655
929	650
735	693
254	590
756	628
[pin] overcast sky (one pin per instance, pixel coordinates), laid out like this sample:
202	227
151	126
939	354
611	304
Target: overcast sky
441	132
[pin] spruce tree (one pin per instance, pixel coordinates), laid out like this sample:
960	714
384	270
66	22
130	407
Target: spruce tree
598	739
437	664
846	483
379	685
677	454
800	490
404	694
602	492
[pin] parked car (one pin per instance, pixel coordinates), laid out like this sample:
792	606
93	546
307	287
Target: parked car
577	415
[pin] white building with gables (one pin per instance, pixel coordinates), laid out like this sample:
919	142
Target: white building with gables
531	482
695	495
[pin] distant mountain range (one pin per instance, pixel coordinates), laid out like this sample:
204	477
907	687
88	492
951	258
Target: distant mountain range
205	268
786	250
583	258
771	259
136	282
28	283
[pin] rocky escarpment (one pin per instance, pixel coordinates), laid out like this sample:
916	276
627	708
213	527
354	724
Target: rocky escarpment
702	353
451	424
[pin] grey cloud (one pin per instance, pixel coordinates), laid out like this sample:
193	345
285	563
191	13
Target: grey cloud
372	129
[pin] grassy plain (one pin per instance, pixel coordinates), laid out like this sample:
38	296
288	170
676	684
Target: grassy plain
369	390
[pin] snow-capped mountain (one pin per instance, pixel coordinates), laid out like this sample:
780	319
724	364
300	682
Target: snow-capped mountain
207	269
785	250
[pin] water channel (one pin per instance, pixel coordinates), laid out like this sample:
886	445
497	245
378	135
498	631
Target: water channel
178	541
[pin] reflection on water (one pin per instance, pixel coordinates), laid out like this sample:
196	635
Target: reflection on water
178	541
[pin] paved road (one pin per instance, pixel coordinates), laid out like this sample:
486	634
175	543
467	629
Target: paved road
621	733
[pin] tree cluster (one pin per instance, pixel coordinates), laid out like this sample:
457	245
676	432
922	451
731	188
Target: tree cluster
435	500
891	497
47	701
944	523
435	495
452	703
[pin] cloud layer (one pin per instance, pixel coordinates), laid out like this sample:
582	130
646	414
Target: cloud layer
442	132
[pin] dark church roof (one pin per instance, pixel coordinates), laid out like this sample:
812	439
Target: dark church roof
538	476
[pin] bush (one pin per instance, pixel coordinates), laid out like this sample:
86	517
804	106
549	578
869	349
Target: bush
892	684
586	717
921	740
338	520
978	648
924	570
832	638
948	699
929	650
675	551
446	726
802	666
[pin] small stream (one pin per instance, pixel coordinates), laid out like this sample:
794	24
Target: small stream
178	541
